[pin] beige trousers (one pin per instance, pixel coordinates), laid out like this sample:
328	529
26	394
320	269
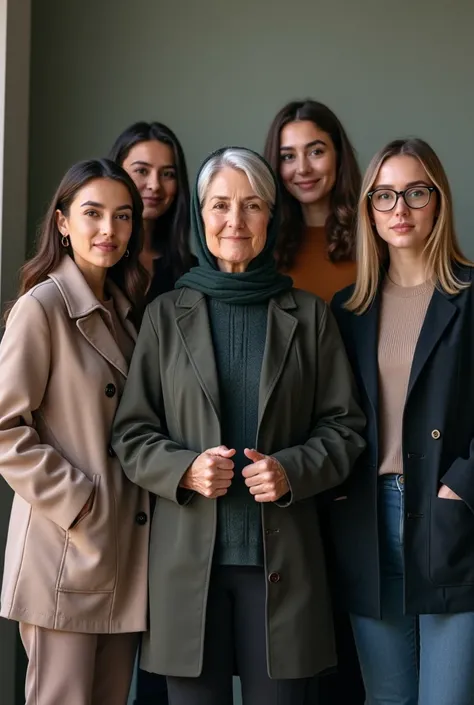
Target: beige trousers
67	668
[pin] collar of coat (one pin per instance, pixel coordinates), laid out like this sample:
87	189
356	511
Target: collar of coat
83	307
442	310
190	297
193	328
78	296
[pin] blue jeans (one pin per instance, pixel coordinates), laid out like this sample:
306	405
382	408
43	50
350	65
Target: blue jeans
407	659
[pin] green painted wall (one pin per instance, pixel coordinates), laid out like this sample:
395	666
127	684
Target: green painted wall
217	70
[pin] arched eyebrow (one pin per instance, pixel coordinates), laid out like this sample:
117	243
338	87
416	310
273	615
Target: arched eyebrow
95	204
309	144
142	163
420	182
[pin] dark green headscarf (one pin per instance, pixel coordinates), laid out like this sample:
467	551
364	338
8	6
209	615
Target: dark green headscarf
260	282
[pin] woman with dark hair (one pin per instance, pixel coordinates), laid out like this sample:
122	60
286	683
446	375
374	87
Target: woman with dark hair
75	574
317	170
153	157
319	180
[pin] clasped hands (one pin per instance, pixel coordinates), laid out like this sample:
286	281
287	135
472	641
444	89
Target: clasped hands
212	472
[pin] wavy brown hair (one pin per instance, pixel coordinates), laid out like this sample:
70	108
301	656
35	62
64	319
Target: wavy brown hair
128	274
344	196
442	251
171	233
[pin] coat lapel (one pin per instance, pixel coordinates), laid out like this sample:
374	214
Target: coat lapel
439	315
281	328
365	342
440	312
195	333
123	308
84	307
95	331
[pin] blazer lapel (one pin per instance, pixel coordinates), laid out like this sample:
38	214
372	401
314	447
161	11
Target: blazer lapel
439	315
195	332
366	346
281	328
94	329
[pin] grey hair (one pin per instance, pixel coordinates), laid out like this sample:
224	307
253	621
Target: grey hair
257	172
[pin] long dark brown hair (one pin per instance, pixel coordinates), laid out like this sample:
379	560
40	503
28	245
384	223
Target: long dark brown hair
128	274
340	224
171	236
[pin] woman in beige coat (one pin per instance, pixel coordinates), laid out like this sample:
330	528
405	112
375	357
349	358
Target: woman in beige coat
76	557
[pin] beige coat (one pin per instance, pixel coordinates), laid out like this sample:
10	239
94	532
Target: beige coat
62	375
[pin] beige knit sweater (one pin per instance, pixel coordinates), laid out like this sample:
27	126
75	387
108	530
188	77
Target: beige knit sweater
402	313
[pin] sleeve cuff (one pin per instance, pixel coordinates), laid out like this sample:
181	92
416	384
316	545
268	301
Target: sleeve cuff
287	498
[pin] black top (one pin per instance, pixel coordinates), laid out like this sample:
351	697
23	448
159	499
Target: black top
162	280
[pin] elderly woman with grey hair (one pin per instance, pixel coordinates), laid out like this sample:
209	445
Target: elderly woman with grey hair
238	410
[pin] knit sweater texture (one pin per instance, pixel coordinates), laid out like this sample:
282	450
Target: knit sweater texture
239	334
402	312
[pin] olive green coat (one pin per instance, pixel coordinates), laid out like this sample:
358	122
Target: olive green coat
308	420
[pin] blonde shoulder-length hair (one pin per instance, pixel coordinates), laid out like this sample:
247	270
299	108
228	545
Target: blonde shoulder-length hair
442	250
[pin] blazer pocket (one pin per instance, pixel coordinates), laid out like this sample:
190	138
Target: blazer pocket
451	551
90	556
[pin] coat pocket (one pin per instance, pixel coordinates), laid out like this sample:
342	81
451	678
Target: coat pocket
451	552
90	553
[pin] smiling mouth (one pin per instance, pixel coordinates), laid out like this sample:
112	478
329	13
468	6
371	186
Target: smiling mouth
307	184
236	239
106	247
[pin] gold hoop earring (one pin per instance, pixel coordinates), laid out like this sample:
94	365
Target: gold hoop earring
65	241
127	253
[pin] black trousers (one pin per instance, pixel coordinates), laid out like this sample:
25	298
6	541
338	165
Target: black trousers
235	636
151	689
345	686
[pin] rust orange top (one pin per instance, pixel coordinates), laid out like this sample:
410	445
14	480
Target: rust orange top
314	271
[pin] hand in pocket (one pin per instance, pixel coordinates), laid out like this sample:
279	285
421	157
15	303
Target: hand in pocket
446	493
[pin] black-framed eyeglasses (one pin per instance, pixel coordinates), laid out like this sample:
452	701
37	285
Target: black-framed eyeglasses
385	199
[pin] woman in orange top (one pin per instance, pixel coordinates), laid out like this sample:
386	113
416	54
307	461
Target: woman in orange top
320	181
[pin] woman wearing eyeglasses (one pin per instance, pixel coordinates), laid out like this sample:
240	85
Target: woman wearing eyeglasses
403	524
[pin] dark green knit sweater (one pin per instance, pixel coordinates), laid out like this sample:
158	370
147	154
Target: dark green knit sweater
238	333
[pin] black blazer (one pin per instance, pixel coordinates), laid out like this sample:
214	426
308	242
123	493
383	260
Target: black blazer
438	447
